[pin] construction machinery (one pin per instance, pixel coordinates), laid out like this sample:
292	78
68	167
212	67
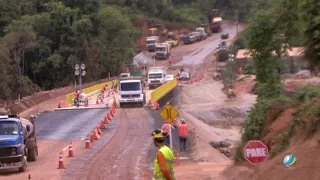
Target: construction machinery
18	143
151	42
157	76
163	51
132	91
162	30
172	39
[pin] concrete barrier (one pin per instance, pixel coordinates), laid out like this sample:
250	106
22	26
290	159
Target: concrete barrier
161	91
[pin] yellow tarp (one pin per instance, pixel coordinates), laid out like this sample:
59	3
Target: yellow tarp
161	91
88	90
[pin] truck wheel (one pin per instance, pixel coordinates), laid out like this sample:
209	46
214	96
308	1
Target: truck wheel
33	154
141	104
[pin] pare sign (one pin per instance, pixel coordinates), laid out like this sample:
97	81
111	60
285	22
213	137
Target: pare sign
256	152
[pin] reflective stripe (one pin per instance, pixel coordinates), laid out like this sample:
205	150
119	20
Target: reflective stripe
169	161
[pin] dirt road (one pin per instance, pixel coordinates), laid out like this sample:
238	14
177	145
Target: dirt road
119	157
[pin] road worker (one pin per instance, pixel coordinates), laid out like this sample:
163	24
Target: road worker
166	128
163	163
170	59
183	134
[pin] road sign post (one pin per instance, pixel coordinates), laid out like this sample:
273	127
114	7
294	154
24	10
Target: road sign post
256	152
169	113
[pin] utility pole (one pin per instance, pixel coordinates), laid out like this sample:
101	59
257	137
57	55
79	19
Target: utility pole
80	71
237	19
231	59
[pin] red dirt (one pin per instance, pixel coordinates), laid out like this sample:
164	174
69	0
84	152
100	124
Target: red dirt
278	125
47	162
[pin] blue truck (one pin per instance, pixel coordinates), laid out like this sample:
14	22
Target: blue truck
18	143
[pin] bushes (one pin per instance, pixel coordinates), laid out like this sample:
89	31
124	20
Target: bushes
307	116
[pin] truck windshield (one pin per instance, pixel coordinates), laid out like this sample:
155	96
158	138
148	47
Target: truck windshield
130	86
151	42
160	49
8	128
153	76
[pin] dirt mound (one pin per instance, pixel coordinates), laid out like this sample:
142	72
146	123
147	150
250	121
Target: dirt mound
292	128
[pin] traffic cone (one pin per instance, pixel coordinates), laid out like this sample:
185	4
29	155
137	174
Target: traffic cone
88	143
112	92
157	106
102	126
70	150
97	101
106	119
177	159
59	105
96	135
111	113
61	163
150	103
86	103
98	129
109	117
92	137
29	177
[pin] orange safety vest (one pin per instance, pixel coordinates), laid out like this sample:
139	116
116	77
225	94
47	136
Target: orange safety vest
183	130
166	127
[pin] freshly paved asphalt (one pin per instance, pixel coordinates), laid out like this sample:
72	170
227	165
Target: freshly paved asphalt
68	124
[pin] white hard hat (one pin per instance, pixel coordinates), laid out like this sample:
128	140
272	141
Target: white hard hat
182	120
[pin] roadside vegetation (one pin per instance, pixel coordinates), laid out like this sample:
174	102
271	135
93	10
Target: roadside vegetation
271	30
41	41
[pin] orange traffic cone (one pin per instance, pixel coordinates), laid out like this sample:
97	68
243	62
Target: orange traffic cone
88	143
177	159
59	105
70	150
109	117
92	137
29	177
106	120
112	92
156	106
96	135
102	126
150	103
98	129
61	163
111	113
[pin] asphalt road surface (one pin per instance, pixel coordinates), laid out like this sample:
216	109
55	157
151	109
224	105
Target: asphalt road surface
68	124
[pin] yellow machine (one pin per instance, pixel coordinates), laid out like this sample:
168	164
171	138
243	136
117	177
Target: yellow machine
172	39
153	31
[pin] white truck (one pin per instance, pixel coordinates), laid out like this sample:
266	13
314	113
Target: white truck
202	32
163	51
157	76
132	91
151	42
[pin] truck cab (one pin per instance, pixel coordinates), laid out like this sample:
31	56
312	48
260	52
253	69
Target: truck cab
124	75
17	142
151	42
163	51
132	91
216	24
157	76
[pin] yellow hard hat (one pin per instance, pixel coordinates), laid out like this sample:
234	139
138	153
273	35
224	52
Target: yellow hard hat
158	134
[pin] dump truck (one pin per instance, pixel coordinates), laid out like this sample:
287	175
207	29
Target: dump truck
151	42
18	142
163	51
157	76
132	91
216	24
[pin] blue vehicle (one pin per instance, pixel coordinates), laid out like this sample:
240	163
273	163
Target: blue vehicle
18	142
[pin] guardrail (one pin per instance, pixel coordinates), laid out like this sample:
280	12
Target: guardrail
90	91
163	90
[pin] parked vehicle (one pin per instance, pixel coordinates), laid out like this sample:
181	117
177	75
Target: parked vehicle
184	76
151	42
197	34
163	51
224	35
189	38
207	29
131	91
172	39
202	32
18	143
170	77
157	76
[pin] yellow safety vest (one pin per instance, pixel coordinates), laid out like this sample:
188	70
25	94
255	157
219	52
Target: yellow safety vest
168	154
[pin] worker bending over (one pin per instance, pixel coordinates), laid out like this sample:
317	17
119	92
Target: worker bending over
163	163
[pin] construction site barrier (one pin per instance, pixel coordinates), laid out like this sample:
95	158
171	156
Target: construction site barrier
90	91
161	91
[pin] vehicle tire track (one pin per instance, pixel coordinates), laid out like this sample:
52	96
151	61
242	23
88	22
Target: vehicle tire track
119	158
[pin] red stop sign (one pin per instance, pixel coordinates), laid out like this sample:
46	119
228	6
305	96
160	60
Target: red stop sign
256	152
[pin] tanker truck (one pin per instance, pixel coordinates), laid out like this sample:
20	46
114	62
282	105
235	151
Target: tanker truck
18	143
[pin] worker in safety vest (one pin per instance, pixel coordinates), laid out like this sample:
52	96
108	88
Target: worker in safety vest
163	163
183	134
170	59
166	128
